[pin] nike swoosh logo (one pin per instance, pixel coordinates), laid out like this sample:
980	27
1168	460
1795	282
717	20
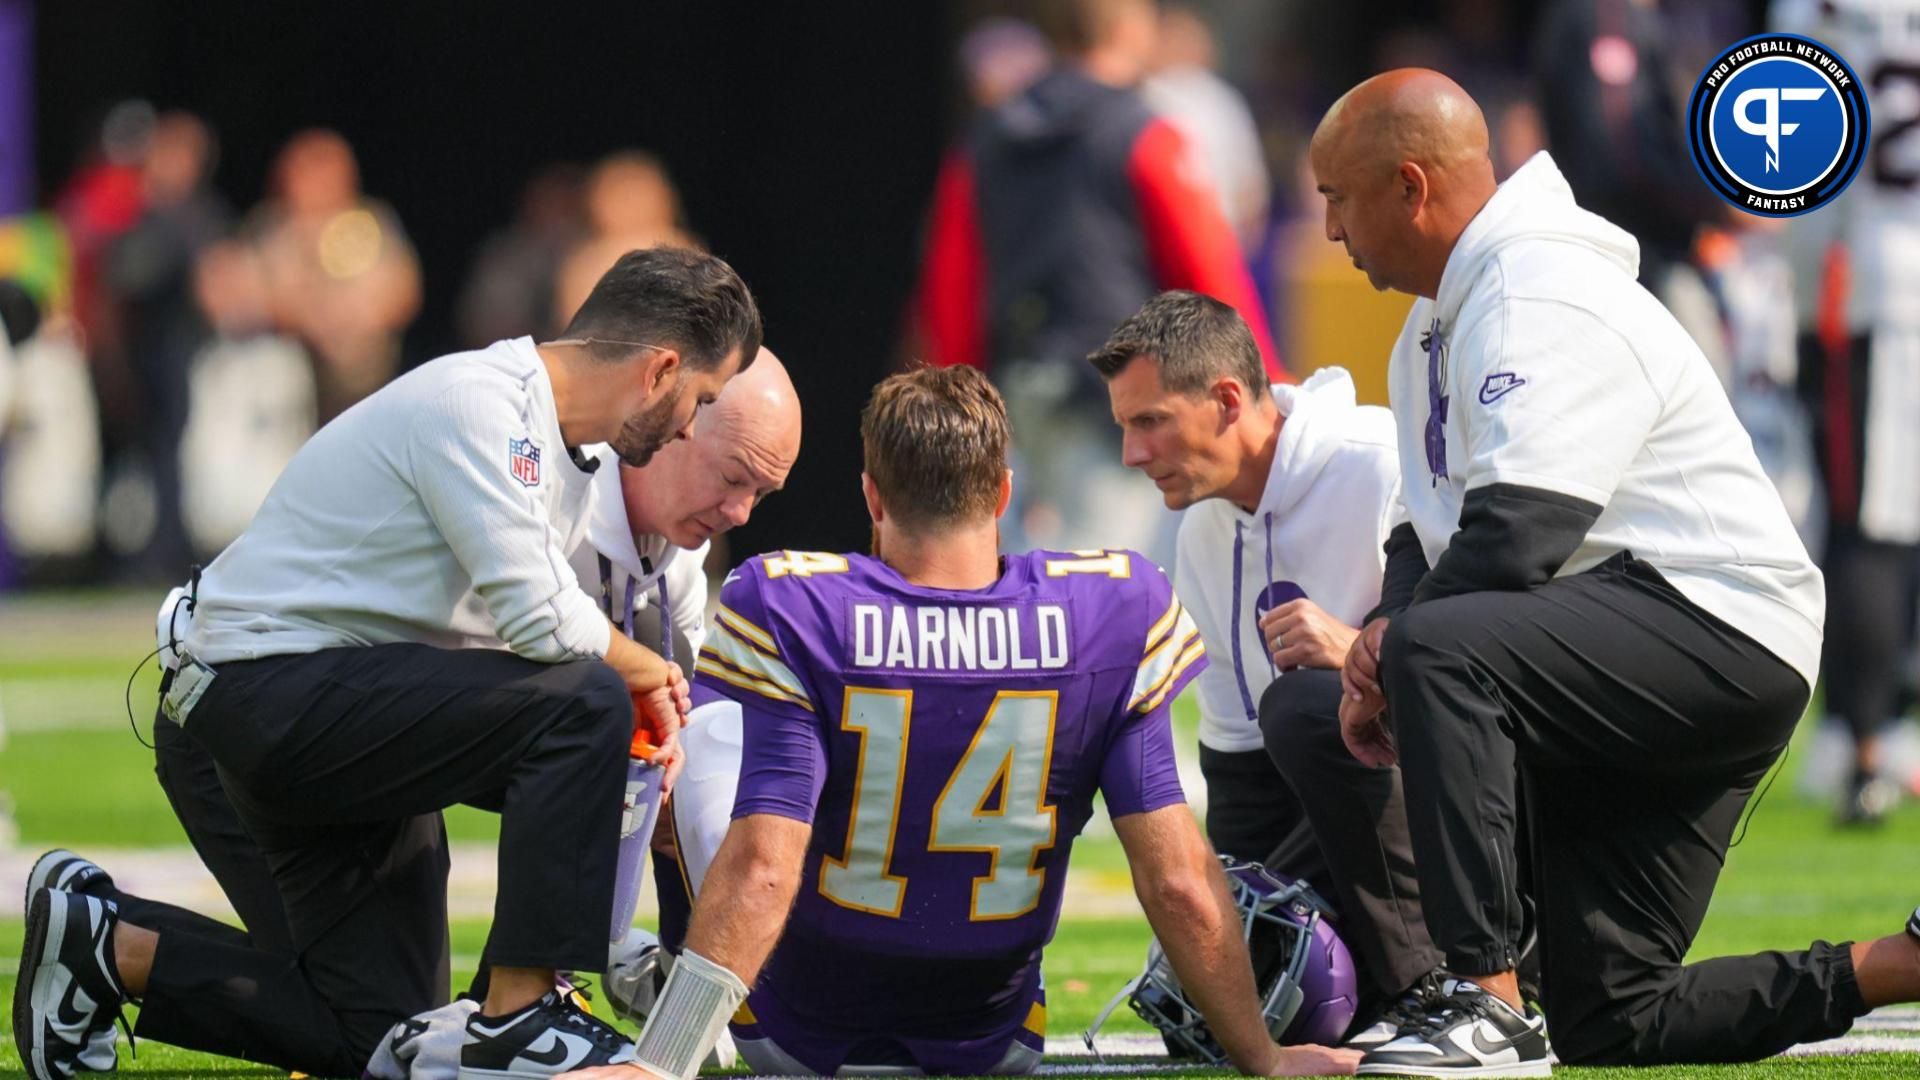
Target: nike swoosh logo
1481	1044
1498	386
555	1055
70	1014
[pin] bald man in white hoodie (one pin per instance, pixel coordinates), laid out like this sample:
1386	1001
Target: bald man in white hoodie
1611	606
1289	493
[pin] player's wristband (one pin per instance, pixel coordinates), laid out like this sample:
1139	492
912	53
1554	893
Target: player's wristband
698	1000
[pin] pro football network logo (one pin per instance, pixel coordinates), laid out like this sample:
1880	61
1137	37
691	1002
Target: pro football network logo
1778	125
523	461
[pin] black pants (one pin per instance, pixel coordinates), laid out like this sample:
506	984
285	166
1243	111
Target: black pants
1640	726
1250	809
338	764
1354	834
1341	828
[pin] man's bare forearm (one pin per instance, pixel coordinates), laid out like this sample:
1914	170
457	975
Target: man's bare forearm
1185	895
744	900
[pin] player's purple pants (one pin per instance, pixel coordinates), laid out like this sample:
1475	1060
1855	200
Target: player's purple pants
772	1040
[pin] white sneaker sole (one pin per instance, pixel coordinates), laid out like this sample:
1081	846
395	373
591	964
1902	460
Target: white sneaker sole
1517	1068
35	999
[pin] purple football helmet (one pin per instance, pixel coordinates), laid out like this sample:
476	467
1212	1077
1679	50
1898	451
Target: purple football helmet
1301	969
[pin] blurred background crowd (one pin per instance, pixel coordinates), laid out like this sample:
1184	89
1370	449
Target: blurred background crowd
223	224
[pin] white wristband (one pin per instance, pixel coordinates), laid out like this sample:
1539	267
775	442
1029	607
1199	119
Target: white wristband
695	1005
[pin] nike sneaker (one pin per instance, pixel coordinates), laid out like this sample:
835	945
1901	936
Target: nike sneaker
68	995
1467	1032
547	1038
1410	1009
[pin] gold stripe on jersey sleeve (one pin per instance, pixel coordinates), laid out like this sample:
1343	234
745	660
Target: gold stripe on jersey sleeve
1159	629
710	664
740	654
1165	662
1187	659
747	632
1160	659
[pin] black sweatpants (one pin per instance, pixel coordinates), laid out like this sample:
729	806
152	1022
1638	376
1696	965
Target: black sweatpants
1250	808
1354	836
338	764
1640	725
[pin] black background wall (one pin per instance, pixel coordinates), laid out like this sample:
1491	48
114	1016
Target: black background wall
804	138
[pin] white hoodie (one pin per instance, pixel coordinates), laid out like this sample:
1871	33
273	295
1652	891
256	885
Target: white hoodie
1318	532
651	571
1559	372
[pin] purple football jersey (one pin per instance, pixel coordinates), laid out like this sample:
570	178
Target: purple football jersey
946	746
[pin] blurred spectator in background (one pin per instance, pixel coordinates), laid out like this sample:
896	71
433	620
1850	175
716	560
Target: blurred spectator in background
510	290
341	276
1063	211
1611	93
149	269
1000	57
103	199
631	204
19	318
1860	373
253	399
1186	88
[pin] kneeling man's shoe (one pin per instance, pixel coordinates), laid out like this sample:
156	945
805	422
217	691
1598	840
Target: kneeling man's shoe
1467	1032
68	995
547	1038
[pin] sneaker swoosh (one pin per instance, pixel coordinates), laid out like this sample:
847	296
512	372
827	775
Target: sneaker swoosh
1481	1044
555	1055
69	1014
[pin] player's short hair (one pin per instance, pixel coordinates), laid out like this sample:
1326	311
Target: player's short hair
673	297
1194	339
1075	27
936	445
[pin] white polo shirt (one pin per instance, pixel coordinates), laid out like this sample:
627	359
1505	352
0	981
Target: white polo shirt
1555	370
439	510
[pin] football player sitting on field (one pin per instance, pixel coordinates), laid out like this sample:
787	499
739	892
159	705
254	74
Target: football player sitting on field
923	735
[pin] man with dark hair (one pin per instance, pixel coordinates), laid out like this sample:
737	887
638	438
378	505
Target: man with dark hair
1289	493
342	663
1064	210
920	736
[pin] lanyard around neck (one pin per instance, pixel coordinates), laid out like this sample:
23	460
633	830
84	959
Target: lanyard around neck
625	618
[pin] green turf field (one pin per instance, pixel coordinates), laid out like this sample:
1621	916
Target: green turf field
75	777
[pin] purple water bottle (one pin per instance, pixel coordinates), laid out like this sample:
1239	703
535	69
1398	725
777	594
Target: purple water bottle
639	810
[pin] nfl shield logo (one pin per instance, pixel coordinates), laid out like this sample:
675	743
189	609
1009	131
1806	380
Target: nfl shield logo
523	460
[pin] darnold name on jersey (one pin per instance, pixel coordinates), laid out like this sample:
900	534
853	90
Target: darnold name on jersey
969	637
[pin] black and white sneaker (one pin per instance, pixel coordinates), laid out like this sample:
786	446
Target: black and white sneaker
68	995
1913	924
1411	1008
547	1038
1467	1032
64	871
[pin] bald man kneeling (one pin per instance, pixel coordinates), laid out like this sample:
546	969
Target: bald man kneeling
1598	596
